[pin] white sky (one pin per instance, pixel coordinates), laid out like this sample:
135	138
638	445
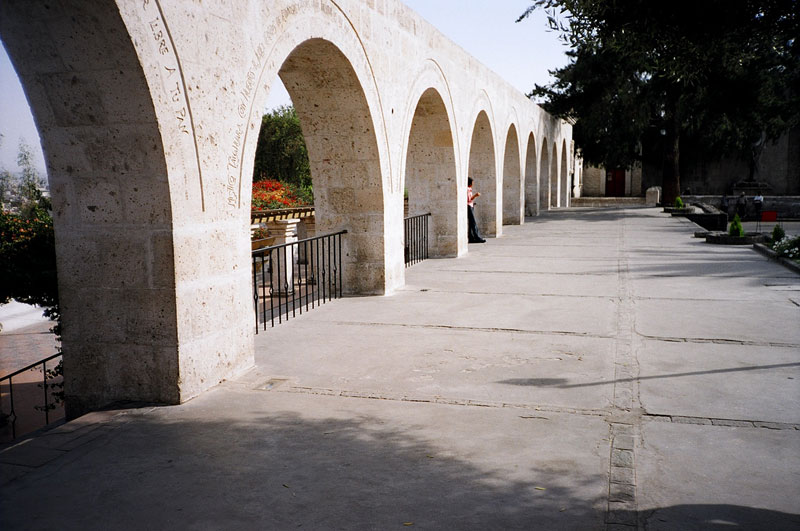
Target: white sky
520	53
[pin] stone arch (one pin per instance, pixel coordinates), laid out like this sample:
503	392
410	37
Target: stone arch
343	156
324	68
531	182
554	179
482	169
430	173
112	201
149	124
565	184
544	177
512	179
344	128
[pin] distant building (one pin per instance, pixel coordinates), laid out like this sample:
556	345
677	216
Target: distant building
599	182
777	172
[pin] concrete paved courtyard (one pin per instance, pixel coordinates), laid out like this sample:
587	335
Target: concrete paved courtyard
592	369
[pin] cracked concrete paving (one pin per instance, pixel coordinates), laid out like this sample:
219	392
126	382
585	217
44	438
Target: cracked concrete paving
592	369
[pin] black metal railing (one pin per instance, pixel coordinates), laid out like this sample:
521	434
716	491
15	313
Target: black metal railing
291	277
416	238
32	403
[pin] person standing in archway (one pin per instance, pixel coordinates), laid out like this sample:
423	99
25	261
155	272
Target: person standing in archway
472	226
741	206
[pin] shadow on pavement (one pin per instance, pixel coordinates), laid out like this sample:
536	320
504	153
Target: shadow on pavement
562	383
282	471
703	517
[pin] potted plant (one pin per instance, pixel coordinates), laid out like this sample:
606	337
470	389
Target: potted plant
679	208
735	235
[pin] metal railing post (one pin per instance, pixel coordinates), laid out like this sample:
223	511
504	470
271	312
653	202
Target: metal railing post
316	281
415	238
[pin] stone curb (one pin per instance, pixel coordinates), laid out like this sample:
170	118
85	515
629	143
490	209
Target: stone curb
723	238
769	253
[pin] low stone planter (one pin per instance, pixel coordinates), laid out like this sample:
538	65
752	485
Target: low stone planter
723	238
675	211
260	244
772	255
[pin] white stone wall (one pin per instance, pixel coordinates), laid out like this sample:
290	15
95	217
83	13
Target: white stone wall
149	113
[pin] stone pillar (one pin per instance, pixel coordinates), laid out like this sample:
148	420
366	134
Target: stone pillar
283	260
653	196
308	230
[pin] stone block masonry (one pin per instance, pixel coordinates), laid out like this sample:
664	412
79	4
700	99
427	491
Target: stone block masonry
149	115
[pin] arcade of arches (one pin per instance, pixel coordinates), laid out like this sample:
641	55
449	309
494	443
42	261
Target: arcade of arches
148	114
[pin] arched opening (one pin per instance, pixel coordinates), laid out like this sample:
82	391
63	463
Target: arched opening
482	170
111	197
554	181
430	177
512	180
531	183
565	185
343	158
544	177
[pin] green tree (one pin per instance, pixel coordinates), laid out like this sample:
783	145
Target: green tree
30	182
723	74
27	243
7	182
281	151
6	186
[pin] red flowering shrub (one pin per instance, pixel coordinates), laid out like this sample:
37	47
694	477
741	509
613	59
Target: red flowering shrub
270	194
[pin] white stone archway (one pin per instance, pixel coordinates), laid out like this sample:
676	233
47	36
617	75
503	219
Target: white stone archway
430	173
565	185
149	115
431	161
555	191
512	180
531	179
482	169
344	157
544	176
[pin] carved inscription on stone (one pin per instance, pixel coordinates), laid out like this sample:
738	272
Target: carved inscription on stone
173	83
244	111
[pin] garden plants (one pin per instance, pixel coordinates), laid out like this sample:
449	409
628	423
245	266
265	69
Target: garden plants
788	247
778	234
736	228
270	194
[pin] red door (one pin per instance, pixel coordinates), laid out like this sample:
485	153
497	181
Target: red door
615	183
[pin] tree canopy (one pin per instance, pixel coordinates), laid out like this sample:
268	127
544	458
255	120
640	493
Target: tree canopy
724	74
281	152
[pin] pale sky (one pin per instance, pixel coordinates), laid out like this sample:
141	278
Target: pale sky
521	53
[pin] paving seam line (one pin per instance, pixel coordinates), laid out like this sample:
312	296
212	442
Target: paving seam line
729	423
433	290
542	408
719	341
343	393
476	329
622	508
557	273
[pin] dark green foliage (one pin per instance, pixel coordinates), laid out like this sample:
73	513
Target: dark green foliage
736	228
281	152
778	233
722	74
28	260
27	242
678	202
28	255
